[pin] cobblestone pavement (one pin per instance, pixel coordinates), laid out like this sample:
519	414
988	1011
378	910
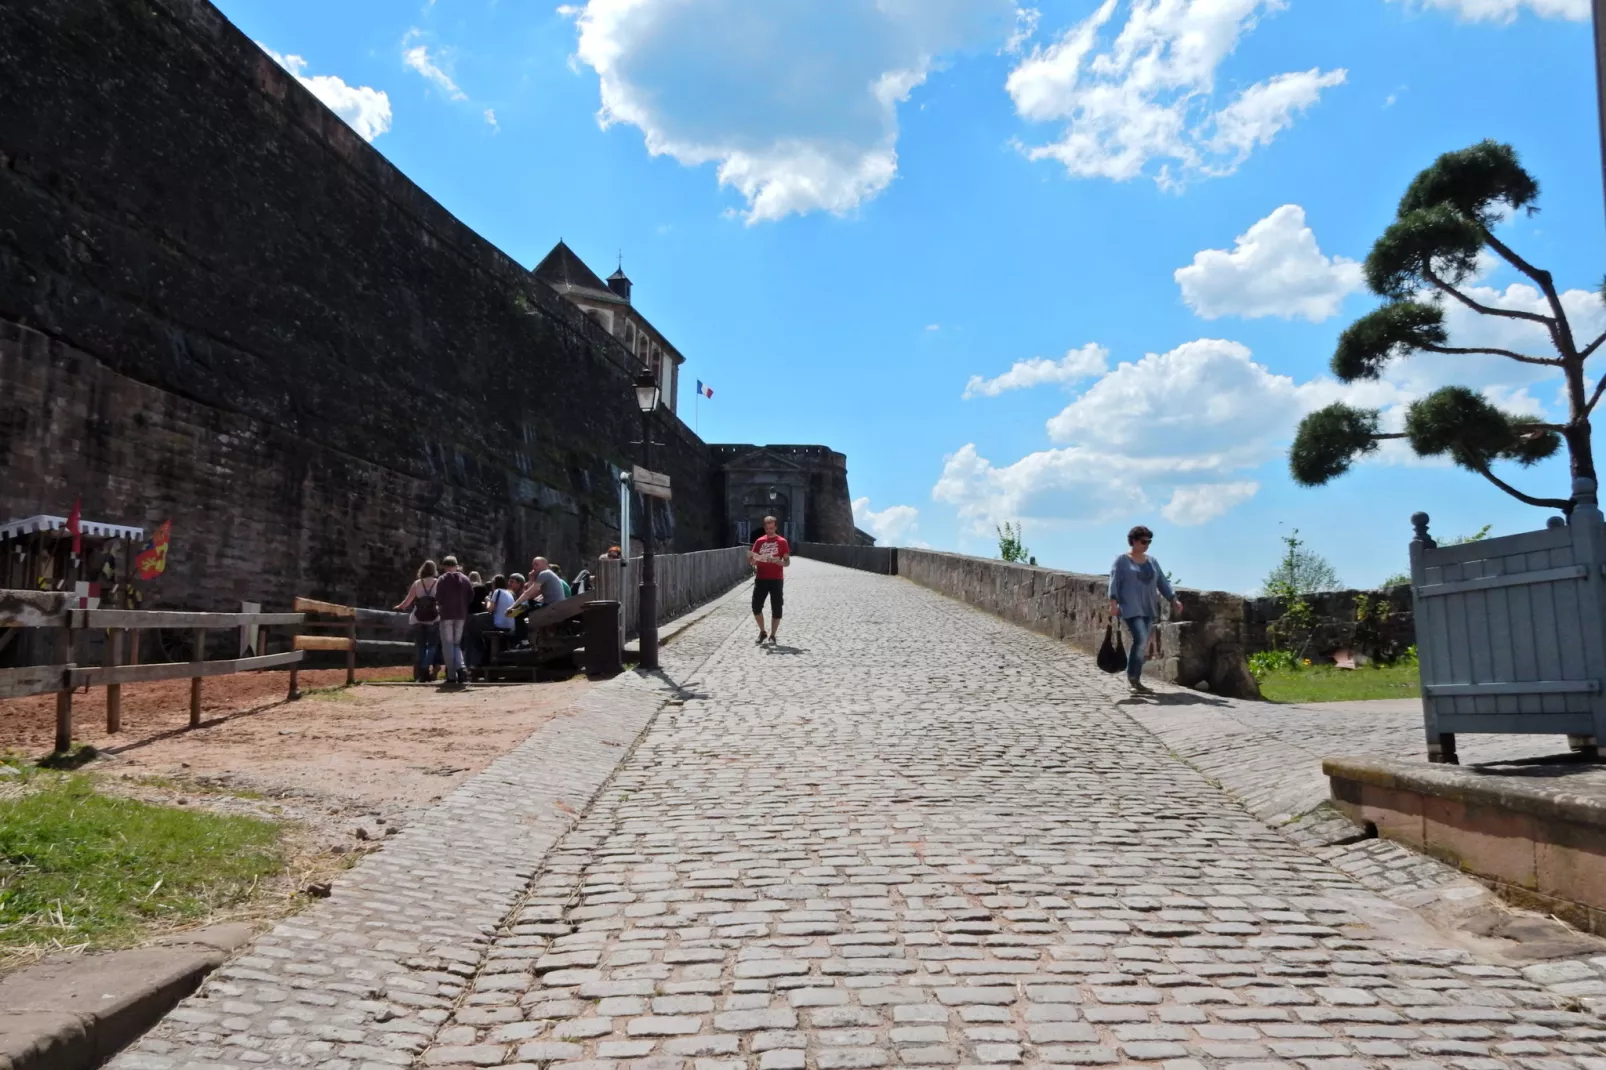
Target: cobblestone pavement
1269	758
367	976
915	835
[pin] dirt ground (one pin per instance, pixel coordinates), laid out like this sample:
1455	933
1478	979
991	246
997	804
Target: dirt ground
374	751
343	768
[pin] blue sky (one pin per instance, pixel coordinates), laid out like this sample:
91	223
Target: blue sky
850	216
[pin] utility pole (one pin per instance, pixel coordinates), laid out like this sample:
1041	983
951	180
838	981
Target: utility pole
1600	84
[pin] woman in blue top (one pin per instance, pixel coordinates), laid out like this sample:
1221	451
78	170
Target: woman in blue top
1136	583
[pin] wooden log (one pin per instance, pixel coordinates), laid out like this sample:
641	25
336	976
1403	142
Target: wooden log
63	721
32	680
343	642
385	644
114	692
383	618
328	609
198	656
323	642
558	612
33	609
161	618
100	676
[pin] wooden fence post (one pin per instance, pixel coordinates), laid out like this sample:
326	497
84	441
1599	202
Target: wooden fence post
114	692
197	656
351	655
64	716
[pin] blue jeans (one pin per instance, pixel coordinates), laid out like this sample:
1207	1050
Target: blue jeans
1140	627
426	641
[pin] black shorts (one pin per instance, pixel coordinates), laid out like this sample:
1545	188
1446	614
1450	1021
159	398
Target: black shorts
770	589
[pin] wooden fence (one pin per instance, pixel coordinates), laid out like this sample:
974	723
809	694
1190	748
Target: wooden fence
1511	632
44	609
685	581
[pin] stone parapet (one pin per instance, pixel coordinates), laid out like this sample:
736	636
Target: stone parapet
1204	646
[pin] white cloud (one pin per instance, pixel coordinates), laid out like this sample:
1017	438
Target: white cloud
1185	428
1507	10
794	101
1263	111
933	326
1274	269
1077	364
1203	502
893	526
1026	20
490	120
1145	104
365	110
418	58
1467	329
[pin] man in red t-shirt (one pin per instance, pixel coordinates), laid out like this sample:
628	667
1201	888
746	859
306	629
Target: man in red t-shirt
770	556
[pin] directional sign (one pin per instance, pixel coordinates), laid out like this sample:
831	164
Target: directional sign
652	484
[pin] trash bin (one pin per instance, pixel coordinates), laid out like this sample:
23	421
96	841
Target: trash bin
603	656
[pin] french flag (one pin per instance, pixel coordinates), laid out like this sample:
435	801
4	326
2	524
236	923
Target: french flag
705	391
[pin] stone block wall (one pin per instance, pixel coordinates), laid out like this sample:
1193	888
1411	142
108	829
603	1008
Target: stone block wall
227	309
1204	647
881	559
1336	626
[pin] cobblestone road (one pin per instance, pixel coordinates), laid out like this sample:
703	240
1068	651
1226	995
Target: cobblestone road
915	835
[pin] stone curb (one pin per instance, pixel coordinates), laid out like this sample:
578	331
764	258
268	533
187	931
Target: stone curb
668	631
76	1012
1465	785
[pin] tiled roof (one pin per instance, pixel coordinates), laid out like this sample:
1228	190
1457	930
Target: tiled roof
562	270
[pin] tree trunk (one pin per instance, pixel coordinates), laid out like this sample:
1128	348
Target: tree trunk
1580	446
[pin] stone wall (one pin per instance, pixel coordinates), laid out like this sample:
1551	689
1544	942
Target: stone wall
882	559
239	315
1336	624
828	517
1203	647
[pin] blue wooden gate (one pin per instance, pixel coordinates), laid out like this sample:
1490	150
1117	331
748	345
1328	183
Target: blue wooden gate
1511	632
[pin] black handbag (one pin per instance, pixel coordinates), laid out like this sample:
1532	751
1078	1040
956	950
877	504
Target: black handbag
1112	655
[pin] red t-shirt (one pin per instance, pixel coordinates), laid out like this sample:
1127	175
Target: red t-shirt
771	548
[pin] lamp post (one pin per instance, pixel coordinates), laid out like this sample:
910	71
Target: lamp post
1600	80
647	392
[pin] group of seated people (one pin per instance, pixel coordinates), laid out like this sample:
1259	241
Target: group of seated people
508	600
501	606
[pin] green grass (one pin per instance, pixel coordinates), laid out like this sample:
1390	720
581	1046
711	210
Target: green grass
1325	683
81	868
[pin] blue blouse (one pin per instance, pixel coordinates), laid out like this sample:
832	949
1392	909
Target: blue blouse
1138	587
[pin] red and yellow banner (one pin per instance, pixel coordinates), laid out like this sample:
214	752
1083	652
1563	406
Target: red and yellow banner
152	558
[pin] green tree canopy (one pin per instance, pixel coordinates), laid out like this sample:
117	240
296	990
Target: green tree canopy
1445	220
1300	571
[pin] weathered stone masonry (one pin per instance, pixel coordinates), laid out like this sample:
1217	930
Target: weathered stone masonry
222	306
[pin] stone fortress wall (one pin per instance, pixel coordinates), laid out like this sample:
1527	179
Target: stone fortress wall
218	304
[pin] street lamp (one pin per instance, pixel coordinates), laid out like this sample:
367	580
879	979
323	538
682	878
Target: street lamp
647	393
1600	78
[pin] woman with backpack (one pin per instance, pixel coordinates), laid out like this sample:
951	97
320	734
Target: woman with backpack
425	618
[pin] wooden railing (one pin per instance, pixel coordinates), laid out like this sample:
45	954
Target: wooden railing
685	581
44	609
347	619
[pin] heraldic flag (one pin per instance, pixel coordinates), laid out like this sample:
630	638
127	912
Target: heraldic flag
152	558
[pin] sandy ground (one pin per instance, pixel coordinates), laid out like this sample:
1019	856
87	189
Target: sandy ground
342	768
376	750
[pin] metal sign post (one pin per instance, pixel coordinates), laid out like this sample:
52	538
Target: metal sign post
624	552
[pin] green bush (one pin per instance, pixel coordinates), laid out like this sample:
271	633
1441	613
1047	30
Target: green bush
1270	661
